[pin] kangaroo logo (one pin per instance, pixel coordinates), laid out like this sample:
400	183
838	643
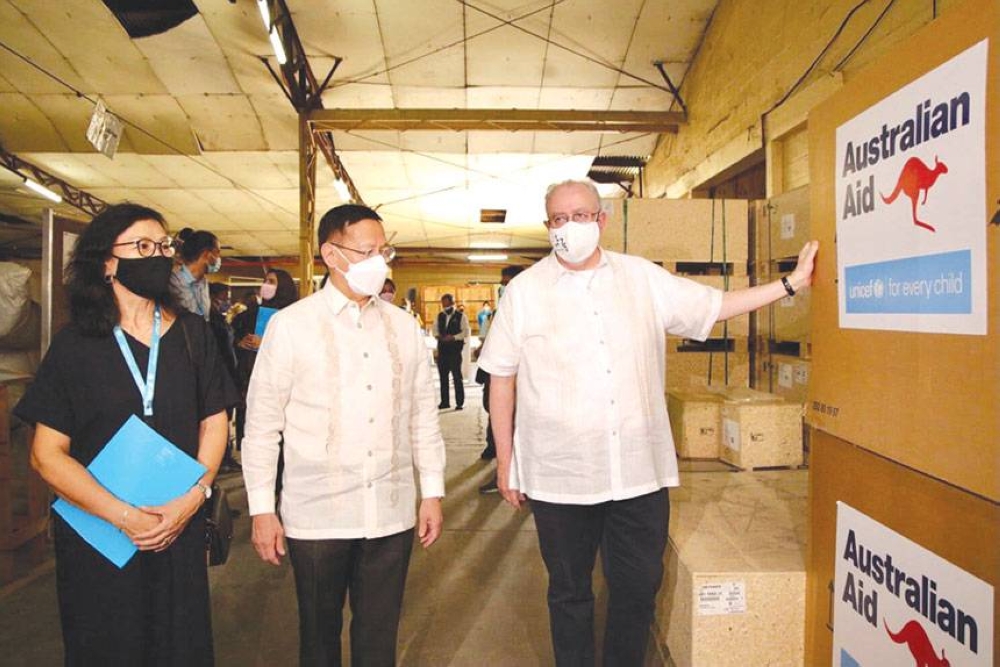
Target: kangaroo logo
916	639
914	177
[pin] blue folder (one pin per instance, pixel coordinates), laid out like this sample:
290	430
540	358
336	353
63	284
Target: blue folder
140	467
264	315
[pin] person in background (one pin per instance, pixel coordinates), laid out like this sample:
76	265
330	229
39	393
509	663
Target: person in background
200	255
577	347
278	291
451	329
155	609
483	319
342	377
388	293
482	377
223	331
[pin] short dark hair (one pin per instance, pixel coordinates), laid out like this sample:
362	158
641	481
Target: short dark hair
340	217
388	281
511	271
217	288
92	306
193	243
447	296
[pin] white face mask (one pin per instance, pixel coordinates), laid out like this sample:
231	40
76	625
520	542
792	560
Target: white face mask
575	242
366	277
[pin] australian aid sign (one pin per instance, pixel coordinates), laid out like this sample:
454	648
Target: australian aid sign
911	205
896	603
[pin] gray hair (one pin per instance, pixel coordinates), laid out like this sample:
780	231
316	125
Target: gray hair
587	184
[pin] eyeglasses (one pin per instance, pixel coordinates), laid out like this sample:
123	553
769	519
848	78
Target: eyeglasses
147	247
388	252
560	219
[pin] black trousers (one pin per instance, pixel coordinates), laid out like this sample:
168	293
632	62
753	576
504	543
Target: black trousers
449	363
632	535
373	572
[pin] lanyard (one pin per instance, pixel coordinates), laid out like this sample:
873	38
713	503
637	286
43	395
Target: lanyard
147	388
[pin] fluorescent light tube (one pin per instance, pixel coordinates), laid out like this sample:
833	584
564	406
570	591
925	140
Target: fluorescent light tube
488	245
488	258
342	190
265	13
279	48
42	190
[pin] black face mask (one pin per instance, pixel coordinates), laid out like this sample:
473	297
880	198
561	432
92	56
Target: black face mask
147	277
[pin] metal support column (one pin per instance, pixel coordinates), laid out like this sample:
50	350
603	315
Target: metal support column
307	206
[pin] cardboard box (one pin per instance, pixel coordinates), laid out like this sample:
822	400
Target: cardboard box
929	401
760	430
670	230
695	422
788	223
790	318
789	377
958	526
734	589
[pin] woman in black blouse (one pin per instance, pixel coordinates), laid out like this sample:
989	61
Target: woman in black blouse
154	610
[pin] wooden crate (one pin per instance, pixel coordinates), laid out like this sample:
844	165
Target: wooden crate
789	377
24	497
736	326
734	590
692	368
760	430
695	422
789	223
672	230
790	320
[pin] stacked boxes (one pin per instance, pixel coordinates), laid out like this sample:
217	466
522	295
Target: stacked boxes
749	429
24	496
906	424
716	363
701	239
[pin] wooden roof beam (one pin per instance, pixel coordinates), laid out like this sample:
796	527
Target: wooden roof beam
505	120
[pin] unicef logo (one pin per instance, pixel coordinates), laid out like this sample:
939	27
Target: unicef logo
879	289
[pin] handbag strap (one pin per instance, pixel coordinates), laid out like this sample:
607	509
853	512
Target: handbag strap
191	358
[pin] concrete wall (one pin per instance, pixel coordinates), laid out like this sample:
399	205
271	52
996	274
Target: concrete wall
753	52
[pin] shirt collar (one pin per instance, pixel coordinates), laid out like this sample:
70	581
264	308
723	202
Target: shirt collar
185	274
558	271
338	300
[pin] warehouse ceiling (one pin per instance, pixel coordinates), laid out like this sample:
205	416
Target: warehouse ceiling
211	140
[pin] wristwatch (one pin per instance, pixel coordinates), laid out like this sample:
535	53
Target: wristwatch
207	490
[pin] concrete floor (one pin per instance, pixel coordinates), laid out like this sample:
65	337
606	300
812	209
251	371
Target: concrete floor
476	598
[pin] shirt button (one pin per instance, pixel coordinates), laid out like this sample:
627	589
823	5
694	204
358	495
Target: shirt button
612	433
602	342
369	387
609	371
359	325
366	355
371	453
369	485
612	401
371	420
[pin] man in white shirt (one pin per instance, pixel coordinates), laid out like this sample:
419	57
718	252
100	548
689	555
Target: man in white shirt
342	384
451	328
578	343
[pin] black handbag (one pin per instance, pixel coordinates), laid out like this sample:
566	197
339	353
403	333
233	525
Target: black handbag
218	518
218	527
